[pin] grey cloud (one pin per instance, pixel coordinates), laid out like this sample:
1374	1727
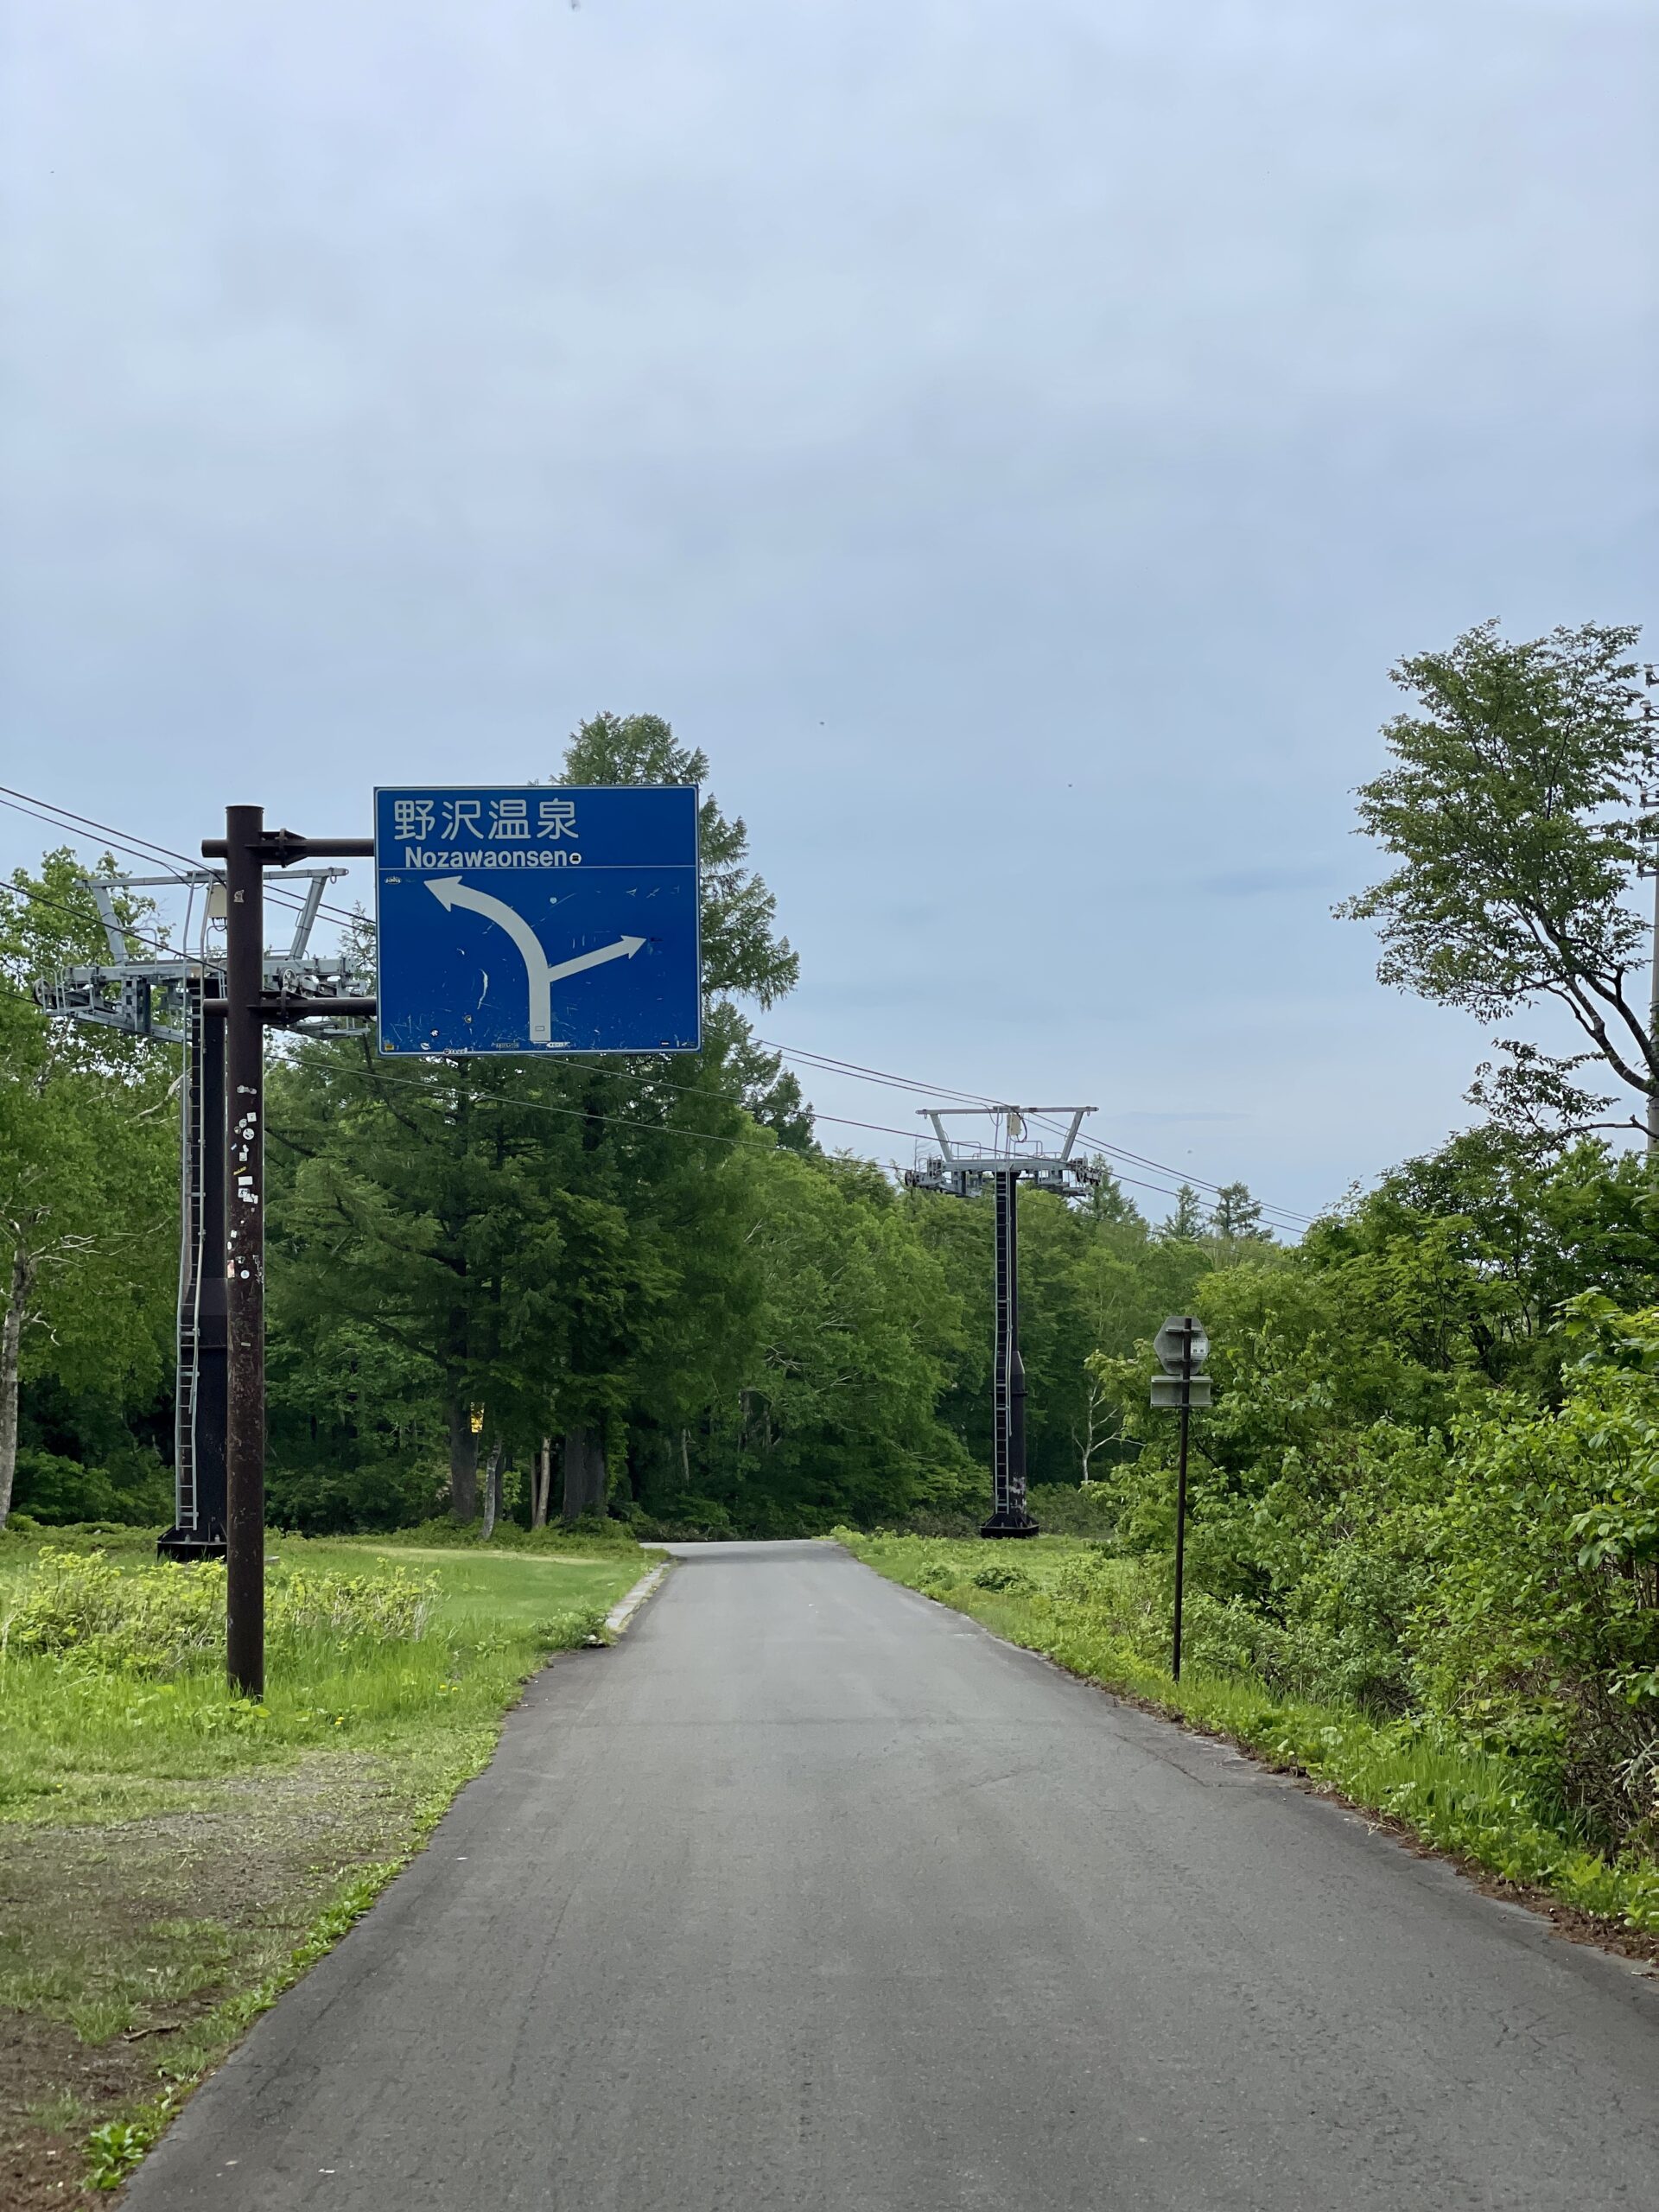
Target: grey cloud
1016	441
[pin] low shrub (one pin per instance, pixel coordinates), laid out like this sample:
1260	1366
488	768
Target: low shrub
1000	1575
372	1499
160	1619
938	1579
1063	1510
137	1492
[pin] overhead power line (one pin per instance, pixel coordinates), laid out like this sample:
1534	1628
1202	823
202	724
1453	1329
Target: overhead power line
541	1106
531	1105
1113	1150
58	817
58	906
141	849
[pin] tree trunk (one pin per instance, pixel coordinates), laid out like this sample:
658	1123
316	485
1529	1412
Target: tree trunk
463	1462
11	1342
492	1491
685	1458
541	1485
584	1473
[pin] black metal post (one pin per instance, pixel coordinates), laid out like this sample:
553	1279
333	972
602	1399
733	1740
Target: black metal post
1016	1497
198	1531
244	1248
1002	1198
1180	1494
1009	1517
210	1341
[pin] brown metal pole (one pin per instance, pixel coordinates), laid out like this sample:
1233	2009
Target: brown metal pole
245	1249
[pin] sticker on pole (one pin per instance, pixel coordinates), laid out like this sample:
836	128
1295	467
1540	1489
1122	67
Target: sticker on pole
538	919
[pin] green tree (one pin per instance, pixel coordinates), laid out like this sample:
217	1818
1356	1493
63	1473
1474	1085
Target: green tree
835	1417
1515	809
1106	1199
1236	1218
1125	1281
88	1169
742	953
1186	1219
553	1244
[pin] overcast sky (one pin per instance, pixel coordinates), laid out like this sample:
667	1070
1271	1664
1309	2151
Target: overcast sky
1013	439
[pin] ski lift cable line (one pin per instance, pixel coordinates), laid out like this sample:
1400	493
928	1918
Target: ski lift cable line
1139	1160
62	817
841	1120
534	1105
1117	1151
58	906
159	945
541	1106
530	1105
27	803
877	1075
978	1098
9	794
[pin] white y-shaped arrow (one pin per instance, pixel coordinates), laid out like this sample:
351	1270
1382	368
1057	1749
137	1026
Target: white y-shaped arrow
455	891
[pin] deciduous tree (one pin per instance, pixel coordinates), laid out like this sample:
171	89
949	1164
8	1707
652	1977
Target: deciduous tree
1515	810
88	1167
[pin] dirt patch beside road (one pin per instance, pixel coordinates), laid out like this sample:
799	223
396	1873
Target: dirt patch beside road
120	1943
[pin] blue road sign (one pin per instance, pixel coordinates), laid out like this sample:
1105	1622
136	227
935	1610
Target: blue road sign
538	920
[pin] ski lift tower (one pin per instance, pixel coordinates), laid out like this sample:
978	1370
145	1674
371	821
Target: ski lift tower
962	1167
161	994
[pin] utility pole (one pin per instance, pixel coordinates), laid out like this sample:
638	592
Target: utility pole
963	1168
248	849
245	1251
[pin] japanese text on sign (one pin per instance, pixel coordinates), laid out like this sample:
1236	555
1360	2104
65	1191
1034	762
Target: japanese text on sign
486	832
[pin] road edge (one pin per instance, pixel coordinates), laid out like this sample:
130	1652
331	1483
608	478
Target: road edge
1638	1949
621	1615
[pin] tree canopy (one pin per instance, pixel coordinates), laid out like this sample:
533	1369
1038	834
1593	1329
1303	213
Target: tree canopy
1520	810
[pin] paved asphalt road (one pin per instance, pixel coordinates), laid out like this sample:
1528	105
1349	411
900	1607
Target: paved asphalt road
810	1894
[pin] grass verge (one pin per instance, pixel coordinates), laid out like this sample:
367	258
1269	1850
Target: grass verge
172	1858
1473	1805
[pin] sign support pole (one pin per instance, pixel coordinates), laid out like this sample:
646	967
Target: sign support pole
1182	1346
247	849
245	1252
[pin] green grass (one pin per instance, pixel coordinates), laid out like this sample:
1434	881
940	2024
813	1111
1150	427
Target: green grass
171	1855
1464	1801
95	1746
